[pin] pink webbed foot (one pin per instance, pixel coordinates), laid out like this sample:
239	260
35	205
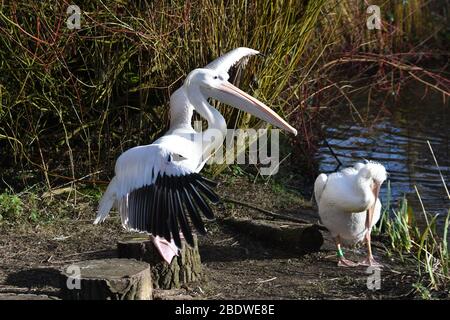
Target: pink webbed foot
370	262
167	249
346	263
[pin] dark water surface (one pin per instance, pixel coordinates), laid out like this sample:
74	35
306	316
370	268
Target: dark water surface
397	139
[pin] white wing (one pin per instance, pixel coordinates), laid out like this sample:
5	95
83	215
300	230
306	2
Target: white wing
156	189
229	59
319	186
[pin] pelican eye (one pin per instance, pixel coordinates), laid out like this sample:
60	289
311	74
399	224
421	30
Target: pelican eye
216	77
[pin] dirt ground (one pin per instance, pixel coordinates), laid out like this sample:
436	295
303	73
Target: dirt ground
235	266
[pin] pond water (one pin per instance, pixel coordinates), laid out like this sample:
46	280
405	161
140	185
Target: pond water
397	139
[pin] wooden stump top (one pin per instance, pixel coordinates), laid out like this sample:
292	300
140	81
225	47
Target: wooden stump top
109	268
107	279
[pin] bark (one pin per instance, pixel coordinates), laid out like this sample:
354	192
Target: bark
184	268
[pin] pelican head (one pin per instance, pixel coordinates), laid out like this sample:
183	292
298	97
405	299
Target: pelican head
373	172
212	83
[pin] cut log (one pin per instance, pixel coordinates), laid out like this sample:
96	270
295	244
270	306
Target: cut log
107	279
184	268
173	294
283	235
22	296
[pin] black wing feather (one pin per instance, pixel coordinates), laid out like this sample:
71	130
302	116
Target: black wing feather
193	212
207	191
209	182
201	203
154	210
174	228
163	213
182	220
165	232
162	208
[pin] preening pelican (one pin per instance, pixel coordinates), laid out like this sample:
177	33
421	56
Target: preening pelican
157	187
349	206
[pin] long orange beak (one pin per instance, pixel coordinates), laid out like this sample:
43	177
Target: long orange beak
239	99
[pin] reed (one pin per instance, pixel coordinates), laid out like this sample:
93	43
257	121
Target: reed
72	100
424	243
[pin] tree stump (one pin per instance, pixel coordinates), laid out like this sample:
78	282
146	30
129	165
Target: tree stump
107	279
283	235
184	268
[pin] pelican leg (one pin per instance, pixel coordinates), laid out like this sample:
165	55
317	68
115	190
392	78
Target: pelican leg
343	262
369	261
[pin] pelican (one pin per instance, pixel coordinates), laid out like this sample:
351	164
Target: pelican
157	188
349	206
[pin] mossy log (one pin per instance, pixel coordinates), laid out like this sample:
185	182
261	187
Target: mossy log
283	235
107	279
184	268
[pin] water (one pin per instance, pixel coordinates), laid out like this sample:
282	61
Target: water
398	140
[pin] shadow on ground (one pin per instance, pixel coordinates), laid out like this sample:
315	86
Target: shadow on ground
44	280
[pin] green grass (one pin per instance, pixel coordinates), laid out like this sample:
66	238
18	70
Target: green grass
11	207
85	95
422	244
36	206
401	228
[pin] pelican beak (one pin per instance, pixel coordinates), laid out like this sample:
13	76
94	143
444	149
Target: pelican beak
376	191
231	95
